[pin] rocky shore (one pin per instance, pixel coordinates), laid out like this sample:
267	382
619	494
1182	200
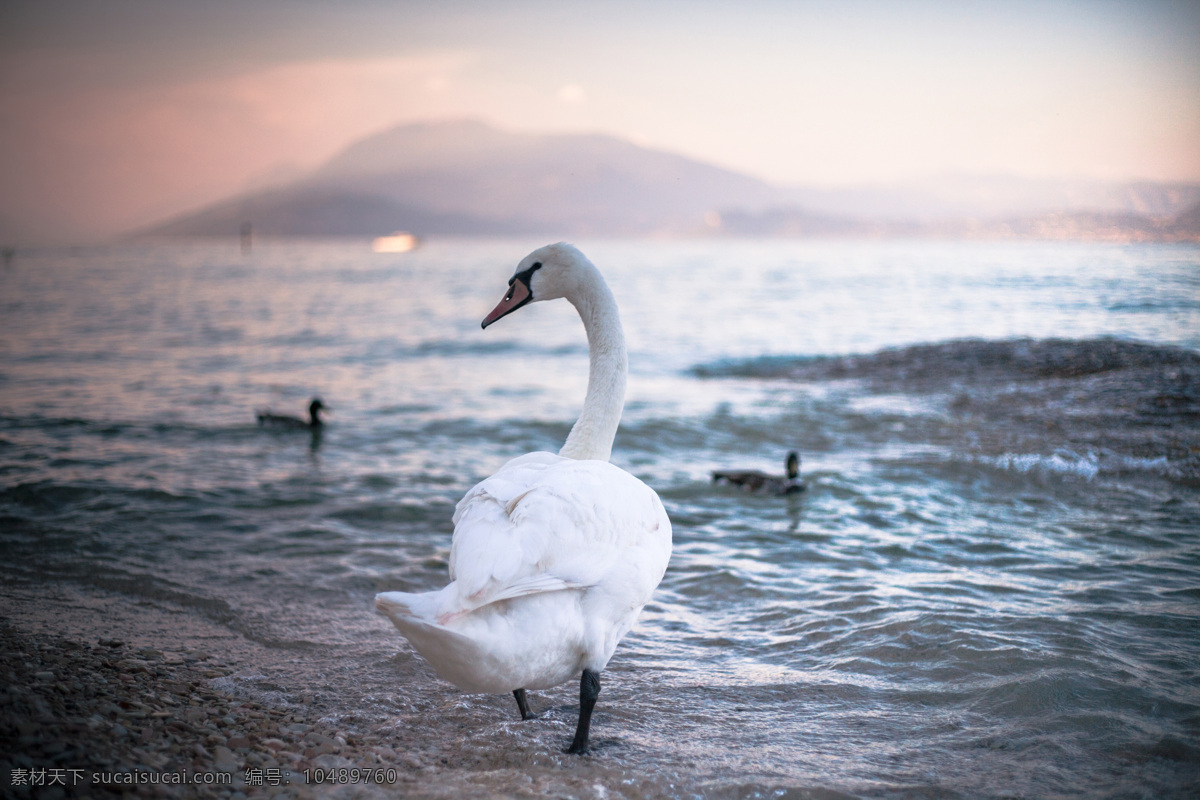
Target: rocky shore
91	716
109	719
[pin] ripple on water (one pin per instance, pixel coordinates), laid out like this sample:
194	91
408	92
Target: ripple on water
987	590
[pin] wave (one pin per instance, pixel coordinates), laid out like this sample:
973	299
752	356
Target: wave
959	359
1070	407
1087	465
51	497
390	350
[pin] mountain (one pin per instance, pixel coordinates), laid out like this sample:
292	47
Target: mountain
1104	226
1186	226
465	178
982	197
329	211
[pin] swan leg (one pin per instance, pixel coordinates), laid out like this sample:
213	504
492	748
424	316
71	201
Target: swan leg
523	704
589	690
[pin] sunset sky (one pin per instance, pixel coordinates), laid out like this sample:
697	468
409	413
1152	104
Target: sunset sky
116	113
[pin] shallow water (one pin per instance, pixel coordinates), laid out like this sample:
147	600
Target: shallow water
991	587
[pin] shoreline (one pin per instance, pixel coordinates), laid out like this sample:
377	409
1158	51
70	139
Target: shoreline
96	696
81	717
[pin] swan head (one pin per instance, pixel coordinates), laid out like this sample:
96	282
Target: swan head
548	273
793	465
314	410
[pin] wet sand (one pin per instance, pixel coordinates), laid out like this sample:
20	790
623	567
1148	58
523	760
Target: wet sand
82	717
95	702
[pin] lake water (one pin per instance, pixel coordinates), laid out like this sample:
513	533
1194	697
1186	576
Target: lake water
991	587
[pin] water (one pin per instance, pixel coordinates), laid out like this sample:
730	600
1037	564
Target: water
990	588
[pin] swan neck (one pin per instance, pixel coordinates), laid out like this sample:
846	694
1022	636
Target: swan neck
593	433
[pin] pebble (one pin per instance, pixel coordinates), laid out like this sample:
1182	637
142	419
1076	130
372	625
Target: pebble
127	708
224	759
330	761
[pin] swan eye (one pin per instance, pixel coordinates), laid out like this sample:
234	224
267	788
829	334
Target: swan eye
524	276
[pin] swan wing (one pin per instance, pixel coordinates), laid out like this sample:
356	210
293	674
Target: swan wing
545	523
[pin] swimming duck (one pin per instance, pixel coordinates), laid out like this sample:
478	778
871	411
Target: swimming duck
553	556
284	422
760	482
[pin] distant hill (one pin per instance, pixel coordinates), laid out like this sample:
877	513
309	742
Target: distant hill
1067	225
329	211
465	178
1187	224
995	197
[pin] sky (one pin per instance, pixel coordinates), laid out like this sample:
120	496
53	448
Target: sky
118	113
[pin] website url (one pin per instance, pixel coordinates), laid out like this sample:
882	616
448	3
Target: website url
172	778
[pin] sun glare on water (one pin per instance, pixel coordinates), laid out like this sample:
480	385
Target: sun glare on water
398	242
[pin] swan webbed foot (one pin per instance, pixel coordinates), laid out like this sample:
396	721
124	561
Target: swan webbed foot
523	704
589	690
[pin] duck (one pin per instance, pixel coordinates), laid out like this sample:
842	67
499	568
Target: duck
554	556
285	422
753	480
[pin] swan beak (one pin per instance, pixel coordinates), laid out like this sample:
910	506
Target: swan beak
518	295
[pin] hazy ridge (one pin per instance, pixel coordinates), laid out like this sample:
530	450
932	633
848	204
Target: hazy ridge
465	178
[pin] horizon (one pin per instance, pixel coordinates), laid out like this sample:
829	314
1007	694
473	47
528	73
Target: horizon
119	114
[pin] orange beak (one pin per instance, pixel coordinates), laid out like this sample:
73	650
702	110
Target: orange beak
518	295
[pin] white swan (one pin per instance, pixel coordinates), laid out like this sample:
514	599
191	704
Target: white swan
554	556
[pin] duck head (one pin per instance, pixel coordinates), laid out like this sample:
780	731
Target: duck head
793	465
314	411
547	273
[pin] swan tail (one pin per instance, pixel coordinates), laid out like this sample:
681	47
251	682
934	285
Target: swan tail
456	657
405	609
